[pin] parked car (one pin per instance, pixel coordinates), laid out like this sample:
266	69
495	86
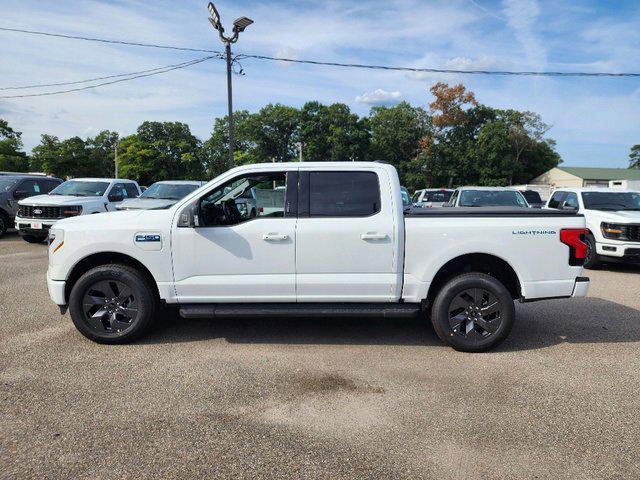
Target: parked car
15	187
533	198
612	218
431	197
338	243
80	196
487	197
161	195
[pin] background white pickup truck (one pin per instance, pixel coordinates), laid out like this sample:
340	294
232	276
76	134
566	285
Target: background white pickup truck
612	217
80	196
338	243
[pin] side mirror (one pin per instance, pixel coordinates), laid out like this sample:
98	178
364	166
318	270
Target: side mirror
116	197
188	217
20	194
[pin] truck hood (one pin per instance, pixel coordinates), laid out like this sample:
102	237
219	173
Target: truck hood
619	216
59	200
145	203
99	221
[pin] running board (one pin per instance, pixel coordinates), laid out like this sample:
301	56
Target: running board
220	310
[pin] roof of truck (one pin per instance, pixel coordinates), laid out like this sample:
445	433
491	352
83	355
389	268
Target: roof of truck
595	189
497	189
88	179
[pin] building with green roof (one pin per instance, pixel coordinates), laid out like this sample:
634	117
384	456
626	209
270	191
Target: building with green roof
564	177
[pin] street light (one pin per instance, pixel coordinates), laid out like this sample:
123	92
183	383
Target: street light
239	24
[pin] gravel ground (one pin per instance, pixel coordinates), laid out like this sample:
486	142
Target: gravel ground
319	399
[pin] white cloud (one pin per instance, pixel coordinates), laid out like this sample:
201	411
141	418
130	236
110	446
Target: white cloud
522	16
379	97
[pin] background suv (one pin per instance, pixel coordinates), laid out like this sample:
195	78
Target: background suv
17	187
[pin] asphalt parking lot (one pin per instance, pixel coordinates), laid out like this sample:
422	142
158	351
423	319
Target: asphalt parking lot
319	399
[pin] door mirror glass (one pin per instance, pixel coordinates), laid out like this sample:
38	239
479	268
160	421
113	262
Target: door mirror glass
188	217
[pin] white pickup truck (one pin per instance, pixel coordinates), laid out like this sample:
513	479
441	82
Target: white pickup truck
80	196
338	244
612	217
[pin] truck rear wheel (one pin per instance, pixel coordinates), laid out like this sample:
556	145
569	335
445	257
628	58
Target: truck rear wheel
113	304
473	312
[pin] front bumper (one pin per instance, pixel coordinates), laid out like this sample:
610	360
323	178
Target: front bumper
624	251
56	290
32	226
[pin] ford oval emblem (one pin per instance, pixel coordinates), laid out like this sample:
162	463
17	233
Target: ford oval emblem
37	211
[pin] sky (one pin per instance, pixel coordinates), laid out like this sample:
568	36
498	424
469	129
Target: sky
594	121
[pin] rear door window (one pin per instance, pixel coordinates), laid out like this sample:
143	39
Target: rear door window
343	194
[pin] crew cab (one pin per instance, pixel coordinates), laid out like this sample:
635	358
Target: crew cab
612	217
80	196
338	243
487	197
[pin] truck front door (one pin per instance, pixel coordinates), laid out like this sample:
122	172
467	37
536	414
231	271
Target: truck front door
234	254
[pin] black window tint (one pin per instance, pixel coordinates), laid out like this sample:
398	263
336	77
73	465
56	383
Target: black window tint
556	200
50	185
132	191
343	194
32	187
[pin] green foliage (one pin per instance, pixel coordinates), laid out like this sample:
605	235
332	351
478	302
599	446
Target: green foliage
12	158
160	151
634	157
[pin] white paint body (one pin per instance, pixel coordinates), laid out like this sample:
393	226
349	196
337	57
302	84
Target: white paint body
380	258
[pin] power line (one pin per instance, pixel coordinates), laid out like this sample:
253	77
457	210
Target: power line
40	85
166	69
103	40
339	64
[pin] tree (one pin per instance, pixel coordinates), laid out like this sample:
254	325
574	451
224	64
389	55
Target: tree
160	151
634	157
215	151
332	133
102	152
12	158
396	134
272	132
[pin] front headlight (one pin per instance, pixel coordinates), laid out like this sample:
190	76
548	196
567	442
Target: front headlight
613	231
71	211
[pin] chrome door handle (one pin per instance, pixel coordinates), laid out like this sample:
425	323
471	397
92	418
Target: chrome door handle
275	237
373	236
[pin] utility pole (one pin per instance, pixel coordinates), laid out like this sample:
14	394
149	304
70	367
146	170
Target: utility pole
116	159
239	24
299	144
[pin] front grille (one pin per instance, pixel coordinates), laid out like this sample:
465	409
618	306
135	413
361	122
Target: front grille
633	233
28	211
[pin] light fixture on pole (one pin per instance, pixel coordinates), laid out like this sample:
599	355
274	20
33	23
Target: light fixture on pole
239	24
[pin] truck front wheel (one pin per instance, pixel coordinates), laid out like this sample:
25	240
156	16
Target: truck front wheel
592	261
113	304
473	312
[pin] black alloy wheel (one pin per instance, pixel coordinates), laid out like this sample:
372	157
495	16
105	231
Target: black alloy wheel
110	307
473	312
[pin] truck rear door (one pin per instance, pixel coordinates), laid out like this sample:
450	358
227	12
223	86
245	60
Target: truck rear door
347	237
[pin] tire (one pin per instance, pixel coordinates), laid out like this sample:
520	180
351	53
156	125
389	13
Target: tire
34	238
473	312
113	304
592	262
4	224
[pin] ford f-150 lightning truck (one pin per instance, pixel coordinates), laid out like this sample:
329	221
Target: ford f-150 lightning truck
338	243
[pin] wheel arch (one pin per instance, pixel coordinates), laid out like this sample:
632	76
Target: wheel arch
486	263
106	258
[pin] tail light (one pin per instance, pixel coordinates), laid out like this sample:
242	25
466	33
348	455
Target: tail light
575	239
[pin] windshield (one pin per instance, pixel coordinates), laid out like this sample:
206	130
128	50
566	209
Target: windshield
80	189
611	200
437	197
167	191
6	184
532	196
491	198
